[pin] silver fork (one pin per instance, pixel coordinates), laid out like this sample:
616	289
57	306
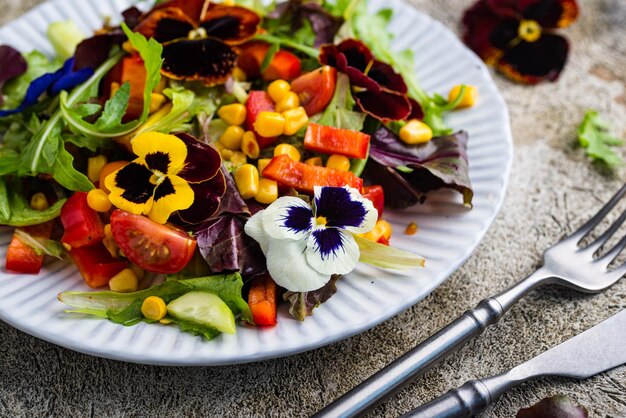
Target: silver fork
565	264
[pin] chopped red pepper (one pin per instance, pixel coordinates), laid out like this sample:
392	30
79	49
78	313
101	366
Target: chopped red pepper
96	264
82	224
130	69
284	64
331	140
377	195
304	177
262	300
259	101
22	258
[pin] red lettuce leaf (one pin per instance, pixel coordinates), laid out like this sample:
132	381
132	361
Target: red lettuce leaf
294	13
439	163
12	64
558	406
303	303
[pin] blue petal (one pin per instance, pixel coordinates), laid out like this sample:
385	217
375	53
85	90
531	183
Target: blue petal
340	207
288	217
71	80
328	242
298	219
332	251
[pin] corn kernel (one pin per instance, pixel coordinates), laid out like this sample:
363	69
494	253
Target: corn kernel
295	119
232	114
269	124
288	149
262	163
268	191
278	89
338	162
247	181
124	282
128	47
67	246
94	167
249	145
153	307
416	132
317	161
469	98
231	138
238	158
39	202
115	86
382	229
98	200
238	74
156	101
288	102
165	321
411	229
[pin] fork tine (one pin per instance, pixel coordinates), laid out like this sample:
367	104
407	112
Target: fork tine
613	253
606	235
591	223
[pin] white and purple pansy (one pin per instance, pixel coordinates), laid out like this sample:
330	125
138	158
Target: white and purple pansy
305	245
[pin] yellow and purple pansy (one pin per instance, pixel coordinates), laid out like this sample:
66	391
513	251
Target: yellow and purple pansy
304	246
172	173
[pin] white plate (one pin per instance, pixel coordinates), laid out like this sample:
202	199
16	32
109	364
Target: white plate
447	235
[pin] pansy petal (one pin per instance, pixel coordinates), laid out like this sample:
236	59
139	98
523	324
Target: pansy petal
385	75
166	24
346	208
479	22
288	217
70	80
207	197
416	110
161	153
254	228
352	58
12	64
231	24
172	194
533	62
384	105
550	14
203	161
332	251
192	8
130	187
207	60
287	265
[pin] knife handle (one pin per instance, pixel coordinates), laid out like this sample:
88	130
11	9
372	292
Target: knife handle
466	401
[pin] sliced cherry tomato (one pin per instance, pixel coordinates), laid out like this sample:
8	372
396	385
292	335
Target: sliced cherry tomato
262	300
152	246
259	101
377	195
315	89
284	64
22	258
331	140
96	264
82	224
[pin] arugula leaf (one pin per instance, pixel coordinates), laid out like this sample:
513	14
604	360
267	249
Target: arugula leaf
66	175
41	246
194	328
269	56
594	137
15	210
339	111
9	161
131	315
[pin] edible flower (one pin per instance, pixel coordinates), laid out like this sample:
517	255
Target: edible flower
378	90
305	245
65	78
12	64
198	37
171	173
518	38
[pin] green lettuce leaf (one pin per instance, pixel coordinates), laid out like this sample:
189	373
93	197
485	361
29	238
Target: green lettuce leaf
41	246
386	256
594	137
15	210
339	113
14	90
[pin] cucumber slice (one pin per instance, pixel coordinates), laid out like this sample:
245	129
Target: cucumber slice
205	309
64	36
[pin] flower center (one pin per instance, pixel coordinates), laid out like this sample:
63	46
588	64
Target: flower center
198	33
156	178
529	30
321	220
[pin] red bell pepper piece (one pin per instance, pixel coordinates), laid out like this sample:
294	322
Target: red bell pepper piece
130	69
284	64
262	300
259	101
377	195
82	224
22	258
304	177
331	140
96	264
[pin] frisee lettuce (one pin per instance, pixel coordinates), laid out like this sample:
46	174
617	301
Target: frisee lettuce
594	137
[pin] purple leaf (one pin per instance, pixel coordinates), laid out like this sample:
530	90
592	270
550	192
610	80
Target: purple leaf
303	303
558	406
12	64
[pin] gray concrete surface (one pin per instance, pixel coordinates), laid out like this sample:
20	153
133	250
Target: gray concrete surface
552	188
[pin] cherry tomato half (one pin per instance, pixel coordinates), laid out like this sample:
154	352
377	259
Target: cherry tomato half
151	246
315	89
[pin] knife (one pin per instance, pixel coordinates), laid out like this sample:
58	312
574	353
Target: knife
596	350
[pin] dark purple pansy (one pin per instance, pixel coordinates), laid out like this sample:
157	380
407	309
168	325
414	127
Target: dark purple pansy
518	38
338	207
12	64
378	90
64	78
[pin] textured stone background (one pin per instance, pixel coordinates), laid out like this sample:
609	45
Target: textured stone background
552	188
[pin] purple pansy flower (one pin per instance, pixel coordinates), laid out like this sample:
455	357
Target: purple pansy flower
304	246
65	78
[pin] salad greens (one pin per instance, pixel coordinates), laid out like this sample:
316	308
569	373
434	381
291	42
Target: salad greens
594	137
15	210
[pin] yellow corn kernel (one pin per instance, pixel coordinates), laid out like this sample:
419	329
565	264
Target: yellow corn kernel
262	163
238	74
153	307
67	246
39	202
165	321
98	200
109	242
128	47
269	124
231	138
288	149
224	152
278	89
249	145
156	101
268	191
317	161
238	158
416	132
94	167
411	229
232	114
124	282
115	86
247	181
338	162
289	101
380	230
295	119
469	98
